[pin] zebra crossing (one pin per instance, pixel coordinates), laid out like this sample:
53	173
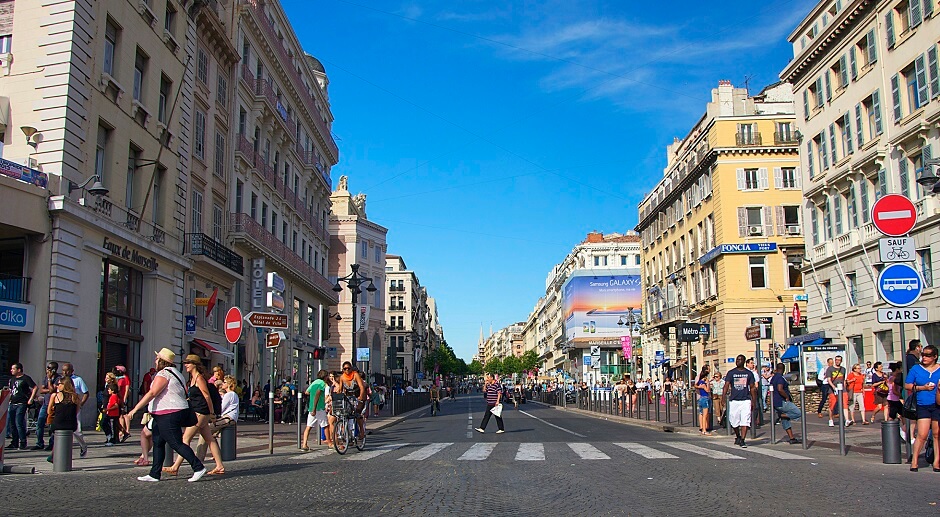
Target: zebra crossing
537	451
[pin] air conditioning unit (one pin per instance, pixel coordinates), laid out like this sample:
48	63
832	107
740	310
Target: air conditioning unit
755	230
793	230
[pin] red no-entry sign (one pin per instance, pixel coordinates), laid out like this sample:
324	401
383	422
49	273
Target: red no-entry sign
233	325
894	215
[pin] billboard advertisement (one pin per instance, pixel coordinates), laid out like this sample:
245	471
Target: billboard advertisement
596	306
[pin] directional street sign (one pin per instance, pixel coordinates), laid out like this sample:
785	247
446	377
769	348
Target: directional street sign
894	215
900	285
903	315
233	325
896	249
267	319
274	339
755	332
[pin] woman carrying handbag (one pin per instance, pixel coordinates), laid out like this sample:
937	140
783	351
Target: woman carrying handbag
921	383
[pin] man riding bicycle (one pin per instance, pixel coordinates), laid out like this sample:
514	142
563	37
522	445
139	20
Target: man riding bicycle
353	386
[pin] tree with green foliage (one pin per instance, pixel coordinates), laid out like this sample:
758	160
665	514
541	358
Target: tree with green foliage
512	365
530	361
475	367
494	365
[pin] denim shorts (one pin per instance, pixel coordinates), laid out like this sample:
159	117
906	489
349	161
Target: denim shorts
931	411
703	404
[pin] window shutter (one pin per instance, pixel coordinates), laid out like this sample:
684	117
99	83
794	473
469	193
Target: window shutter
742	221
920	72
934	71
741	183
819	92
889	28
832	143
806	102
781	220
928	8
872	48
778	178
876	107
768	221
916	17
852	63
809	159
896	96
882	184
814	218
798	178
926	154
828	85
903	178
847	132
859	135
844	71
762	180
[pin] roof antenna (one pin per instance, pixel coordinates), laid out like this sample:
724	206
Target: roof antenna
747	80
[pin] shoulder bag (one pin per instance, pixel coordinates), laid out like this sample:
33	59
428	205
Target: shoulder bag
189	416
910	405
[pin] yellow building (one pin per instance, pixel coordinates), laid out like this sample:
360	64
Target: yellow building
722	235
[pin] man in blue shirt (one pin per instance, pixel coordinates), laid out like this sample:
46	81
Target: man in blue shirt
783	402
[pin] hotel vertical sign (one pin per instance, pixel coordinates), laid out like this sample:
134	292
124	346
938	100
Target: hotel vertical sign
259	285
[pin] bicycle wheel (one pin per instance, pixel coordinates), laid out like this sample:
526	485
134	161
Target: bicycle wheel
341	436
361	440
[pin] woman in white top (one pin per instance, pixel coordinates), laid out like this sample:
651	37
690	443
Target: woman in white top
169	411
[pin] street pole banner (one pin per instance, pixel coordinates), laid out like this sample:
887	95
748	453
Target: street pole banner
362	317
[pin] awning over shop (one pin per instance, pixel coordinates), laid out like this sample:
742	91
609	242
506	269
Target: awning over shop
791	354
213	347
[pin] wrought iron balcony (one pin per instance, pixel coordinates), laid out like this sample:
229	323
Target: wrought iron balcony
788	138
202	244
743	139
14	288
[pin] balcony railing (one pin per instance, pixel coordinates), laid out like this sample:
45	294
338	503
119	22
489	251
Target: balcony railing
743	139
785	139
277	42
14	288
243	225
202	244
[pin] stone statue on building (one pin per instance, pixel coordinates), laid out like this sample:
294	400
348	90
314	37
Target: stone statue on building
360	201
343	183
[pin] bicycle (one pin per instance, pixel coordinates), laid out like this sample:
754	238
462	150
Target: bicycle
898	253
346	430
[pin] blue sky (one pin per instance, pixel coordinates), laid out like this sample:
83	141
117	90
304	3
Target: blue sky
491	137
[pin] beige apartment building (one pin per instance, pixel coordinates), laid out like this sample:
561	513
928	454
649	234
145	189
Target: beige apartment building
355	240
407	315
866	79
281	186
722	234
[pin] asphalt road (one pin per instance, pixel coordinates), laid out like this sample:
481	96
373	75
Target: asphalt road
548	462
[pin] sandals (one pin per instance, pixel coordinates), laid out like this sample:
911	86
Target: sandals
218	471
170	470
142	462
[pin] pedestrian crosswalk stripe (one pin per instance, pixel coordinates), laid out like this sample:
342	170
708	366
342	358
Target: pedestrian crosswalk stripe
425	452
646	452
588	452
688	447
479	451
378	451
530	452
780	455
313	454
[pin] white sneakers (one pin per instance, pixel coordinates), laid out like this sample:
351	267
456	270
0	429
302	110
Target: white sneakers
479	430
831	424
148	479
500	431
198	475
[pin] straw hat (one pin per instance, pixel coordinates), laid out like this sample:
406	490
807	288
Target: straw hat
167	355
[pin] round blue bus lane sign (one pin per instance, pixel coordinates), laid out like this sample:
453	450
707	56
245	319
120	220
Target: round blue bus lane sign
900	284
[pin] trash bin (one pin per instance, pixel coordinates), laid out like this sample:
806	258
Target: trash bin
229	442
891	442
869	399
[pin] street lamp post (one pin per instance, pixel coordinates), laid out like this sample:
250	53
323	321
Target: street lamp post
354	281
631	322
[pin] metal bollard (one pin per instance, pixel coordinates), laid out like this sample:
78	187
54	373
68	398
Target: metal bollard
891	441
228	442
803	417
668	416
679	406
648	408
773	427
656	401
62	452
839	408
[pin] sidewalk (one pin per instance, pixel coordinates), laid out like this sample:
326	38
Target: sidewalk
253	444
864	439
